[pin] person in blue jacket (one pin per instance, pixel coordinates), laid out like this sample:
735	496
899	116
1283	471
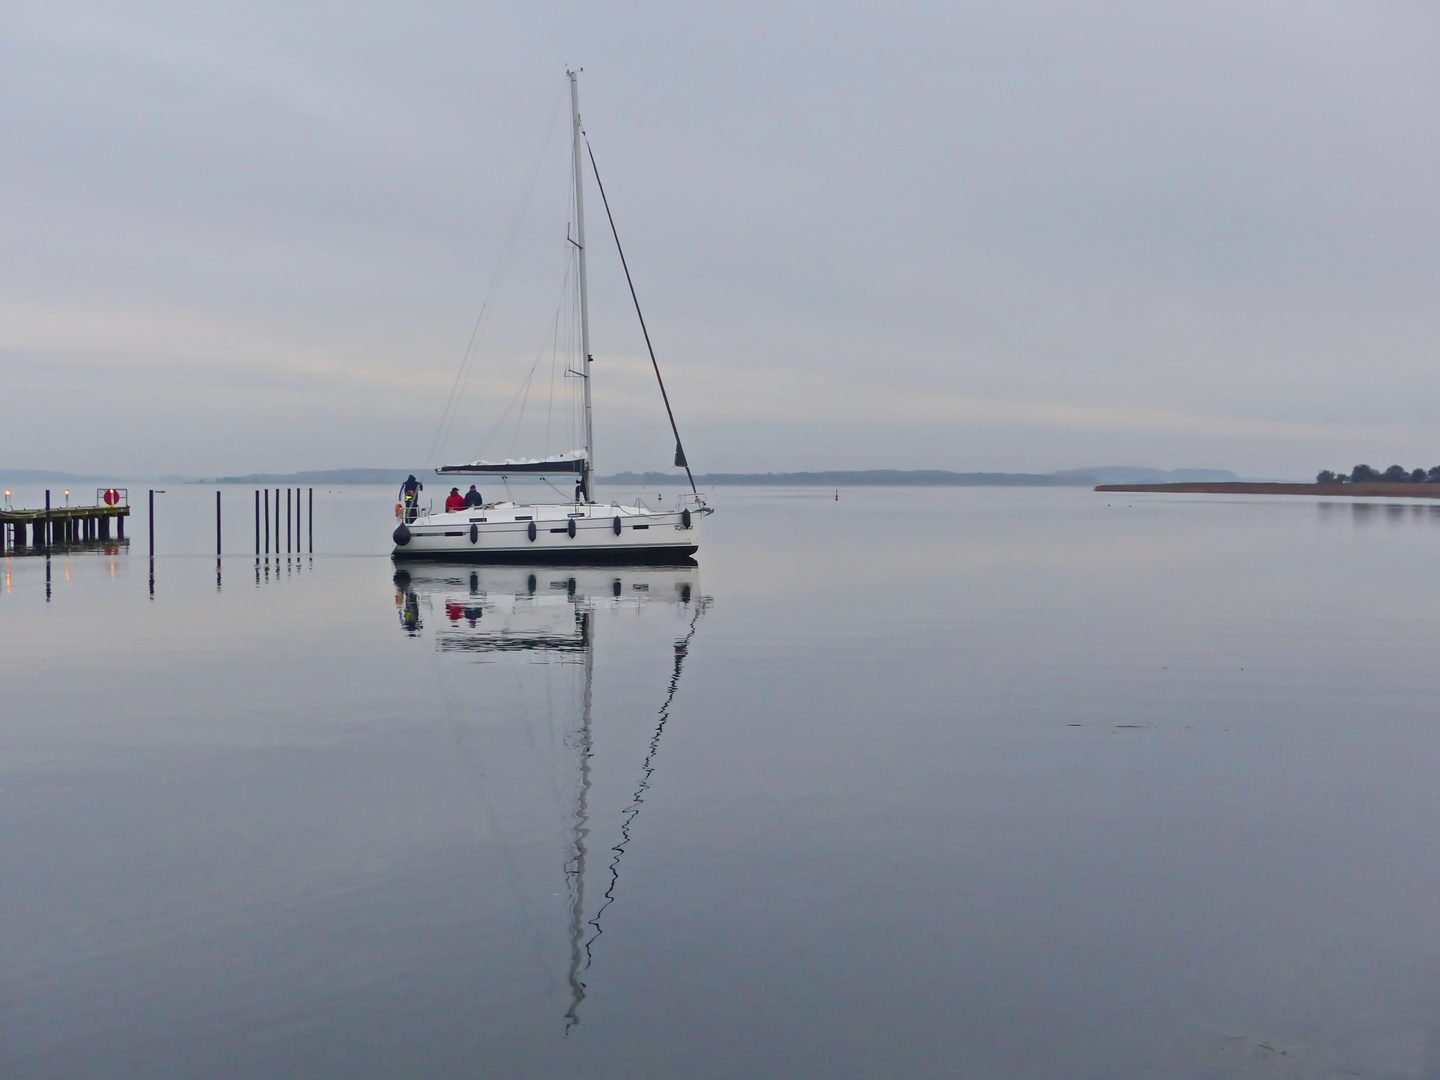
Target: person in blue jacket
409	493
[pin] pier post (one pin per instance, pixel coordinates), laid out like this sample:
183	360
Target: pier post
288	521
257	523
119	526
152	534
217	523
310	525
47	530
267	523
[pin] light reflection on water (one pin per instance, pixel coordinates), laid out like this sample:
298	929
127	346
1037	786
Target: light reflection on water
934	783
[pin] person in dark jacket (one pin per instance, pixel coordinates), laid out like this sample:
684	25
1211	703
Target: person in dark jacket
472	498
409	495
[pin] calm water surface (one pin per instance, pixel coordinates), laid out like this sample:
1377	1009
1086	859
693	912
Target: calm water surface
959	783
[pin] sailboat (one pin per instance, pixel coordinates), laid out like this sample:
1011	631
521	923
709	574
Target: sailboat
581	530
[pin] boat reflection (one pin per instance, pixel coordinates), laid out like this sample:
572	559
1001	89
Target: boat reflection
517	608
552	611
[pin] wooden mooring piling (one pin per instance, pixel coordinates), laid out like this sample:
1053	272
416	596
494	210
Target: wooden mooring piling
65	526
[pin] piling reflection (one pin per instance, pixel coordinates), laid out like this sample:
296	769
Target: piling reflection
553	612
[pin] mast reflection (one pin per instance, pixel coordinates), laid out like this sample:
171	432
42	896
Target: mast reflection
552	611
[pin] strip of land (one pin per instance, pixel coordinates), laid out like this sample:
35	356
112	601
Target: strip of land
1341	491
861	478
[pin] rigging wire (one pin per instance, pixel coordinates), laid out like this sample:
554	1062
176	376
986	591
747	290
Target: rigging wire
477	333
522	392
680	458
629	814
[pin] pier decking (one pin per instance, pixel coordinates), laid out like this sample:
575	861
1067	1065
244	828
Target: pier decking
61	526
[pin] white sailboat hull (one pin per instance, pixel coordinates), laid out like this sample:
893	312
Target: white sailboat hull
550	533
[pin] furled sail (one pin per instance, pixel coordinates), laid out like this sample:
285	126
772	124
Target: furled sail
574	463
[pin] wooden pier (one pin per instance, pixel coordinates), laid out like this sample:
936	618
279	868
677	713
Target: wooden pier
64	526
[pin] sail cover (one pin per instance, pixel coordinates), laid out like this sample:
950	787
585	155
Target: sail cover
559	465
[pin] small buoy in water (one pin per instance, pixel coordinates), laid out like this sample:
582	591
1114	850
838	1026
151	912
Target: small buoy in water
837	494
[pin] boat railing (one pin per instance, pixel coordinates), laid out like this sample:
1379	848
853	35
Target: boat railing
412	514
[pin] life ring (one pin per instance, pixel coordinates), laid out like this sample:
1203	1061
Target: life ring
111	497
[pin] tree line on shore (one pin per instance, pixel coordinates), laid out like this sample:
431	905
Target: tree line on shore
1395	474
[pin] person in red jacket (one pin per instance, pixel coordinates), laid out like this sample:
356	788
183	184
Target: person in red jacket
454	501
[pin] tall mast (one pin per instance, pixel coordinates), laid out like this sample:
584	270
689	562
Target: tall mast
584	288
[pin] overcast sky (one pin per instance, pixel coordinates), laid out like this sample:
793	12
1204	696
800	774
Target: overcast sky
1018	236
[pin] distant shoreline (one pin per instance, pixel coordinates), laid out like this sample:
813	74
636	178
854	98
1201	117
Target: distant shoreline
1083	477
861	478
1343	491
